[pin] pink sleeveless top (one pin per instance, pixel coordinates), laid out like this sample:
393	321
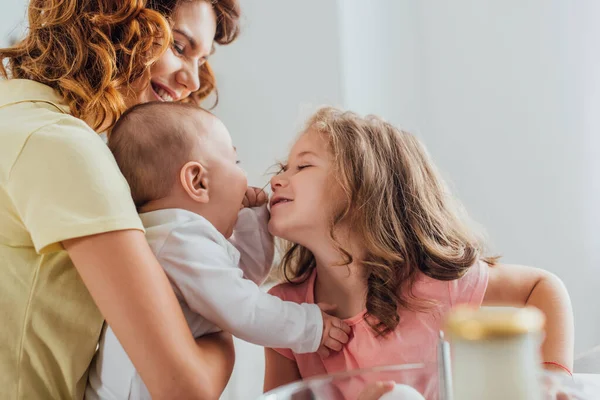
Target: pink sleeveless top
413	341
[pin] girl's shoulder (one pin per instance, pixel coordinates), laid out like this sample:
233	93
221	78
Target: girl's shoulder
468	289
301	291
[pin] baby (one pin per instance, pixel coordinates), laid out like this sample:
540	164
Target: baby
181	168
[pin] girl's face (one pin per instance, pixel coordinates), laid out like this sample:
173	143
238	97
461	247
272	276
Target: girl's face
176	74
305	194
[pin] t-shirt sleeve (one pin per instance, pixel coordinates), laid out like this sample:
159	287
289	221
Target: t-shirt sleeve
470	288
281	291
66	184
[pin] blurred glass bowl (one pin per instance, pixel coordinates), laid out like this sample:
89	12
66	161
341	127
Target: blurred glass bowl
349	385
422	377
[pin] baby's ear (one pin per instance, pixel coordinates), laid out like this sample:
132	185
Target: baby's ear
195	181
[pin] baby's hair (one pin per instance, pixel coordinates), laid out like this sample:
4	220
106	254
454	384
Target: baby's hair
151	142
400	208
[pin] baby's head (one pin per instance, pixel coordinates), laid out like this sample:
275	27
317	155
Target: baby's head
176	155
370	191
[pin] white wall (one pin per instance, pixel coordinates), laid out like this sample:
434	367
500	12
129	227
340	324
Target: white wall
12	20
381	59
284	65
496	114
584	100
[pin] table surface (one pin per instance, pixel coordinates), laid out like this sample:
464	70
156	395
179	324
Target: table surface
591	378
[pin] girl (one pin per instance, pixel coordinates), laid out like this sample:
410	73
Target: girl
72	248
373	229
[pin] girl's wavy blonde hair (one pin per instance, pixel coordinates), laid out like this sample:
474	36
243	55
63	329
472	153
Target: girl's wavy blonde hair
91	51
400	209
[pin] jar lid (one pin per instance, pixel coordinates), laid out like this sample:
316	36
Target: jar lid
469	323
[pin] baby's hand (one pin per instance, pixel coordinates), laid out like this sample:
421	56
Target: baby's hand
255	197
335	332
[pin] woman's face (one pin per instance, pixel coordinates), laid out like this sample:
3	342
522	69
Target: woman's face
176	74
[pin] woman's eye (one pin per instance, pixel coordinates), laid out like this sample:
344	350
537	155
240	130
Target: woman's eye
301	167
179	49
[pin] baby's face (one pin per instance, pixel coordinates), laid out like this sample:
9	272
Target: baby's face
227	182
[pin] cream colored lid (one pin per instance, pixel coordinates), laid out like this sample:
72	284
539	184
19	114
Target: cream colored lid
469	323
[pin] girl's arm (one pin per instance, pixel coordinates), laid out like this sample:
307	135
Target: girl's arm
134	295
279	370
516	285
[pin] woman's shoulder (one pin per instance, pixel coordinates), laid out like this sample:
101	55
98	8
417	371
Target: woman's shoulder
72	140
38	102
35	131
31	110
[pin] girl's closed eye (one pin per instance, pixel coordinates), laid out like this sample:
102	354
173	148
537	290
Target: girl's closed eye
303	166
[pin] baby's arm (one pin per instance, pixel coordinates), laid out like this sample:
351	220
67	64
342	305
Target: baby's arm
212	286
252	239
515	285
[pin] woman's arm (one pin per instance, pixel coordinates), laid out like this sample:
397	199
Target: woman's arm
516	285
279	370
134	295
218	349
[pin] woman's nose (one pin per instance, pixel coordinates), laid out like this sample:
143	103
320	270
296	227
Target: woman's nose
190	76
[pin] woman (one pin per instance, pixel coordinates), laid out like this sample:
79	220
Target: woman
72	248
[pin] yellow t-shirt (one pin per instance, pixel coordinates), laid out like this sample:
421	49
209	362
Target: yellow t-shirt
58	181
